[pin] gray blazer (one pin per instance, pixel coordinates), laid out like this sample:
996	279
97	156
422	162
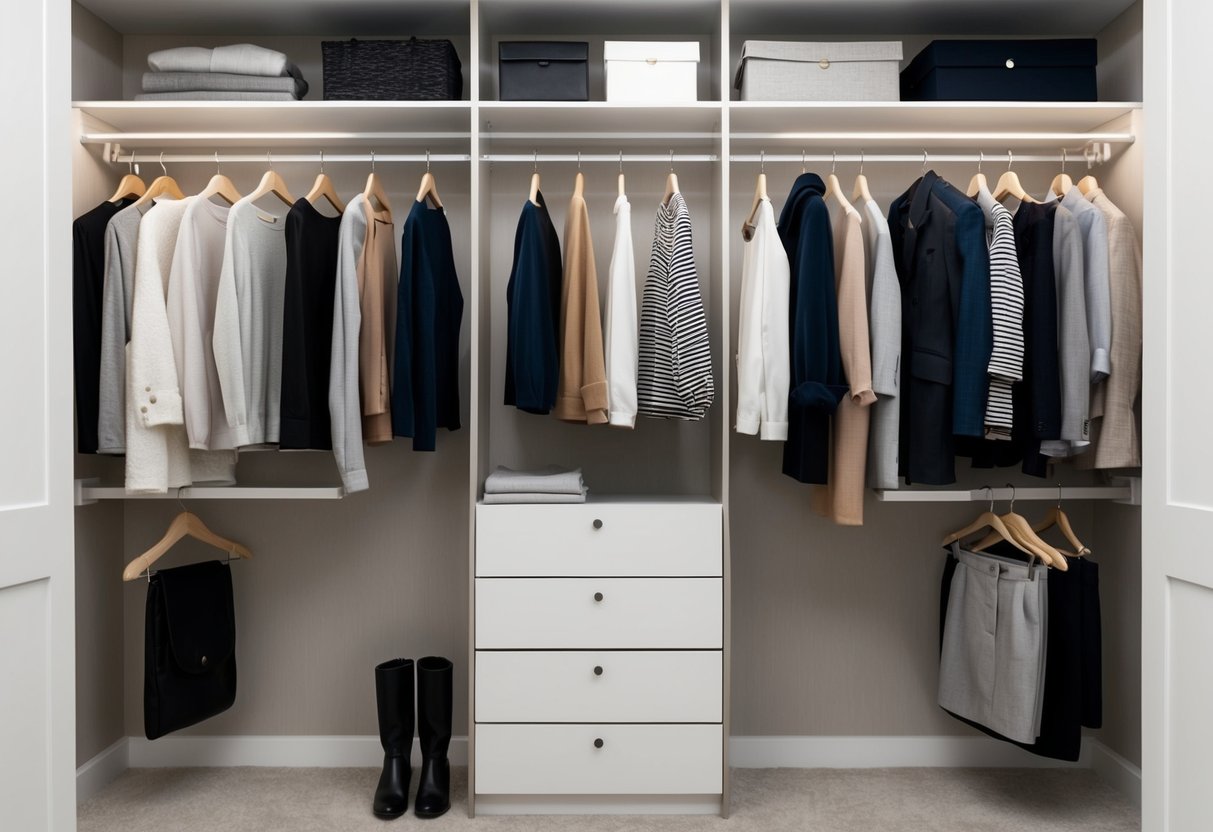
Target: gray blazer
1073	346
884	331
1094	228
1115	431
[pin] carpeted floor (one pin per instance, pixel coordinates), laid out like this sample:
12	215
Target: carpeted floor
770	800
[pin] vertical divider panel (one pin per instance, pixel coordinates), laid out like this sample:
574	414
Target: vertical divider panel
724	293
477	390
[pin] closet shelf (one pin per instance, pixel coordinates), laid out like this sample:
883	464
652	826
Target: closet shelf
1128	493
312	124
598	123
89	491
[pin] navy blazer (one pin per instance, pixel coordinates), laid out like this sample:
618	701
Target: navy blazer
532	350
818	383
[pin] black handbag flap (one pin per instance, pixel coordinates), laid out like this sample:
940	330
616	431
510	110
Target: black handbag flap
543	50
198	611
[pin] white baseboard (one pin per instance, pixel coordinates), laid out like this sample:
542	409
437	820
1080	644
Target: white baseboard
744	752
101	770
1115	770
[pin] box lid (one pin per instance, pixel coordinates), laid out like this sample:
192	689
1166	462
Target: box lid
984	54
543	50
816	52
651	50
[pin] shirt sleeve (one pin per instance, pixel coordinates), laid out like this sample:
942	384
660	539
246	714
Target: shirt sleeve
115	325
226	341
621	334
344	407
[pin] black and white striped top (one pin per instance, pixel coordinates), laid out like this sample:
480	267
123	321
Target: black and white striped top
1006	306
674	380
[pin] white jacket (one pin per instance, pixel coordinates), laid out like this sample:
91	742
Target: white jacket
621	336
157	451
345	405
763	351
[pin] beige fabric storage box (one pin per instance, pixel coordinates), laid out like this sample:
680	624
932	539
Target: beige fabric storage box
774	70
651	71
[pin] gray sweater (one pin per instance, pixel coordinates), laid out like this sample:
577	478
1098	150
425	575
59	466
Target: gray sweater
248	323
345	408
121	238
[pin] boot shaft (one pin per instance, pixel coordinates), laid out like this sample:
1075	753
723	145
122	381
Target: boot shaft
394	695
435	704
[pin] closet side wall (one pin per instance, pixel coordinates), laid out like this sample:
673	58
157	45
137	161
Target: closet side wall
1120	60
96	57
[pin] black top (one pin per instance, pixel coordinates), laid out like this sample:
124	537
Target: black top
532	350
429	311
88	283
307	327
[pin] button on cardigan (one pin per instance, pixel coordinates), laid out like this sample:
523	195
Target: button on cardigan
532	352
763	371
817	381
621	328
429	312
582	394
675	372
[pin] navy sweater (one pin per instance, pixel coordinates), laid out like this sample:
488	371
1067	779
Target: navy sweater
532	353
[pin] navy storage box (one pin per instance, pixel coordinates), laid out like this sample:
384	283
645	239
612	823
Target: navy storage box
1002	70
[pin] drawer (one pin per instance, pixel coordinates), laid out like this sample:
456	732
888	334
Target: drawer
599	686
611	539
599	613
566	759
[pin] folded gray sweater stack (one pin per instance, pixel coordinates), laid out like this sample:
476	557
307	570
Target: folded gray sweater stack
240	72
546	485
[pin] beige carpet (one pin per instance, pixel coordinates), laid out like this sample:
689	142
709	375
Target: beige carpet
770	800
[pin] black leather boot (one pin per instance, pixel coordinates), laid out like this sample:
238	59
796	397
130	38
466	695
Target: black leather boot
394	696
435	698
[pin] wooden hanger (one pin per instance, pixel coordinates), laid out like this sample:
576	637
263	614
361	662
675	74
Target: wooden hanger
533	194
860	191
978	183
1057	517
220	186
323	188
988	519
1087	184
185	524
374	190
760	193
163	185
129	185
1009	184
272	183
622	192
671	183
1062	183
579	183
429	186
1022	529
834	189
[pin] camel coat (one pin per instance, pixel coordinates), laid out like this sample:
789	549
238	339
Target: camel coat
582	395
842	499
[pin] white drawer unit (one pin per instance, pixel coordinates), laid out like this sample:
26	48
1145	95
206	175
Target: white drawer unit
598	759
600	662
599	539
598	613
599	686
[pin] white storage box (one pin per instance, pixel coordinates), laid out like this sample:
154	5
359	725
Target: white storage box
772	70
657	71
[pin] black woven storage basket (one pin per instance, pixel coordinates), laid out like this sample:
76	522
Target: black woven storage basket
391	70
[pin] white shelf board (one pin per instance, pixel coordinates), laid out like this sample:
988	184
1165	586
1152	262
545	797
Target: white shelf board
802	123
286	123
601	123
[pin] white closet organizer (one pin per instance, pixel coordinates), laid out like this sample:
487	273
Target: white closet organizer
599	635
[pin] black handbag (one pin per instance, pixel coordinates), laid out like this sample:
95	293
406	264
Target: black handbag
189	662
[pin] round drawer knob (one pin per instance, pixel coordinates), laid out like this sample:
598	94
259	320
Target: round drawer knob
597	596
598	743
598	670
598	524
1010	63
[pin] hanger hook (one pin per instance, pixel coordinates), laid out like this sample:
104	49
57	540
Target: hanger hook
861	161
981	157
833	161
535	160
804	167
372	161
269	159
924	160
1012	487
1064	159
163	169
621	161
989	493
671	160
1059	495
322	160
427	160
1010	158
130	163
579	160
762	161
218	169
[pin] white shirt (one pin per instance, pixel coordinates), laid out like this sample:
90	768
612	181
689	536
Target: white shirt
621	335
763	352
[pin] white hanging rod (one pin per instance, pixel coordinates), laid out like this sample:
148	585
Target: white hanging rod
1045	139
205	139
1002	495
284	158
587	158
89	491
995	163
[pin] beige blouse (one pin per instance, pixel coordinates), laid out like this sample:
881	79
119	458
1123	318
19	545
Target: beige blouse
377	277
842	499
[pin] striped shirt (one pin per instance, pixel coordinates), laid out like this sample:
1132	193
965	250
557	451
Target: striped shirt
1006	306
675	369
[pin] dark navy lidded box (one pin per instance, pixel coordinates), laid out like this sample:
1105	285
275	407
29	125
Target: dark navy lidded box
1003	70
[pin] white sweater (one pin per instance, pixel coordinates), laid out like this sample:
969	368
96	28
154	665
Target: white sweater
345	407
621	337
157	451
763	363
248	323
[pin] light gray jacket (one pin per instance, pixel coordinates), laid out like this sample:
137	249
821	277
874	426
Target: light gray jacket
1073	345
884	331
1094	228
345	406
121	240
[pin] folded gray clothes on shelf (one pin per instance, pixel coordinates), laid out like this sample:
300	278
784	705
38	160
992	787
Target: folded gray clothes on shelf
221	82
502	499
214	95
238	59
549	480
